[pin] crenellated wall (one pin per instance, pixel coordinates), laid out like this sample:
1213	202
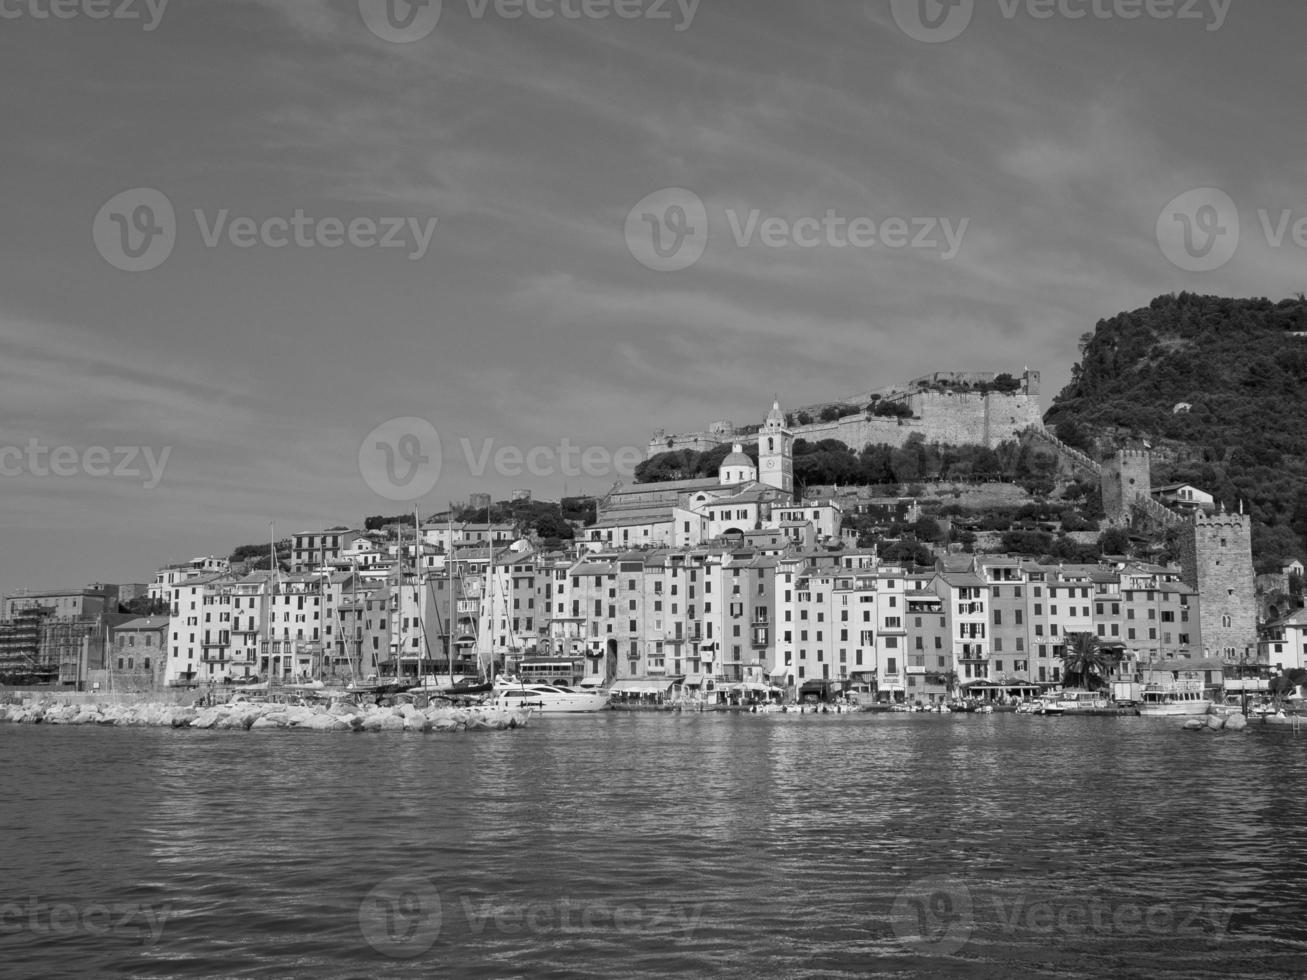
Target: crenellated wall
953	418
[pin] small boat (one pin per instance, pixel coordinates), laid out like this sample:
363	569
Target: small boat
550	699
1175	700
1080	701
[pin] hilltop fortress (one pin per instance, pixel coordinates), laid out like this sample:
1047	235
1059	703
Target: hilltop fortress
950	407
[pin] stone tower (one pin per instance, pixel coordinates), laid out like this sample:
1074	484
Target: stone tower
1216	558
1127	476
776	452
1030	381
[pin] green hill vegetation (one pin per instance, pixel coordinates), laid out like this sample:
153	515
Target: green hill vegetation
1215	386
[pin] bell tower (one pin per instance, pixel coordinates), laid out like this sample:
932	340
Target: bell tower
776	452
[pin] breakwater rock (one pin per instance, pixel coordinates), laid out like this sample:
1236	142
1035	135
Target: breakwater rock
251	716
1217	723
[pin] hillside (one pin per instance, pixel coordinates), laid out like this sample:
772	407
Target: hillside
1215	386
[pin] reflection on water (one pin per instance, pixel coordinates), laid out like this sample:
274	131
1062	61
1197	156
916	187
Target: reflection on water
653	845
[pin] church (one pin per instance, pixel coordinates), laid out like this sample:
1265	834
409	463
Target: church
745	499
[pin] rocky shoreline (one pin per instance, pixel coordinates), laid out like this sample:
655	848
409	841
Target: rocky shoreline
251	716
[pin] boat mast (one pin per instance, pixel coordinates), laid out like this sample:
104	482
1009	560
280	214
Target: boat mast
490	590
449	581
418	592
272	570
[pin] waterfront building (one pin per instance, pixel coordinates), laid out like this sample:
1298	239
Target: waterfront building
1283	643
931	673
1060	607
55	636
190	616
160	590
850	624
966	599
137	652
313	549
1016	659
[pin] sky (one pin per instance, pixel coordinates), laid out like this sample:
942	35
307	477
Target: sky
271	266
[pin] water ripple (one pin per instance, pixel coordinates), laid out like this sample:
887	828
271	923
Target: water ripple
653	845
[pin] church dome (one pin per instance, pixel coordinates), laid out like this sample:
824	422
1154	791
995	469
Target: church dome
737	468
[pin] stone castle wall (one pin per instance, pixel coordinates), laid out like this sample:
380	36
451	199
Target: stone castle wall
963	418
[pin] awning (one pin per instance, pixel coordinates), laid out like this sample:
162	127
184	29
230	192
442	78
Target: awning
697	680
642	685
780	672
809	686
594	680
1248	684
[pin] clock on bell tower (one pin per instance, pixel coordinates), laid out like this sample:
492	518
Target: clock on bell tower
775	452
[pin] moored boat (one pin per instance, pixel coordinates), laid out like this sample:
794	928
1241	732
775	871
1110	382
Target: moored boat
550	699
1174	700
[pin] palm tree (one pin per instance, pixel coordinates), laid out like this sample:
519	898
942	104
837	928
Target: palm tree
1085	661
